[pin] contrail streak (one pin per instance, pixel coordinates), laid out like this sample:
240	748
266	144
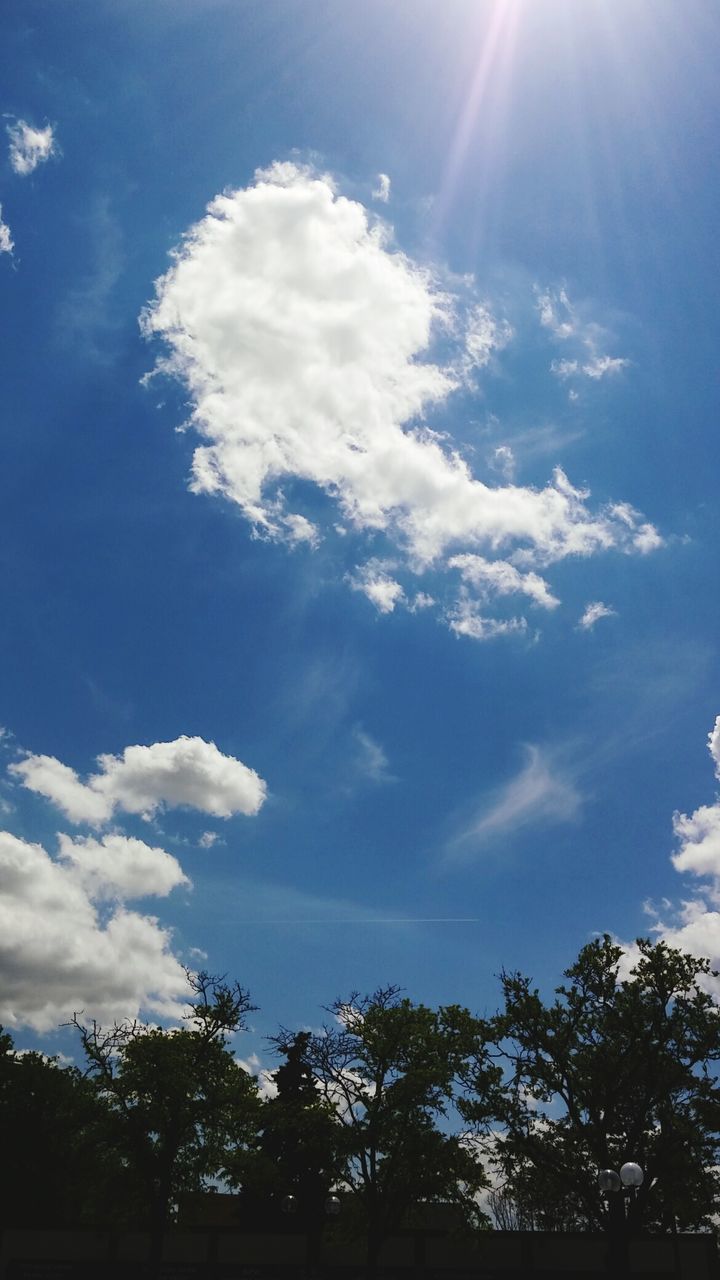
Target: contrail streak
383	920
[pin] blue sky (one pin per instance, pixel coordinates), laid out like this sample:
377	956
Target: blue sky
358	509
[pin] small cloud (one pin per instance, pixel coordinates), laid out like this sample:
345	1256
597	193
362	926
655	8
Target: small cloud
599	366
375	582
559	316
647	539
6	241
541	792
556	312
372	761
596	368
208	839
565	368
382	190
29	146
503	461
466	619
593	613
299	529
197	953
421	601
483	336
491	578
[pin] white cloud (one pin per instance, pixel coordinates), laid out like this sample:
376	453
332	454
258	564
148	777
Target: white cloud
498	578
118	867
556	313
376	583
305	341
699	836
503	461
565	368
561	318
693	925
541	792
714	745
595	368
382	190
208	839
29	146
466	618
6	242
186	772
599	366
699	832
267	1088
58	955
421	600
484	335
593	613
372	761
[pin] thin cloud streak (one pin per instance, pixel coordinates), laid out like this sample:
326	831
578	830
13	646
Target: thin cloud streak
380	920
539	793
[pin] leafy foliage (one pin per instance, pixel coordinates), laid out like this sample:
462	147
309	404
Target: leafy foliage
613	1070
296	1148
391	1069
57	1166
621	1065
177	1098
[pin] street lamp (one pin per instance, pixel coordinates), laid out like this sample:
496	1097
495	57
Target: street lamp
620	1189
312	1226
627	1180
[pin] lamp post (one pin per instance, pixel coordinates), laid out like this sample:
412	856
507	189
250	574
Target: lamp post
313	1226
620	1190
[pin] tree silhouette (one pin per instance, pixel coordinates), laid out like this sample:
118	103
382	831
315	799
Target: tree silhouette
179	1099
58	1166
391	1069
614	1069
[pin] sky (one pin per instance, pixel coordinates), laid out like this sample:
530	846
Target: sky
359	533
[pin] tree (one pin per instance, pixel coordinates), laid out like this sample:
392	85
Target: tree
615	1069
178	1097
57	1166
391	1070
296	1148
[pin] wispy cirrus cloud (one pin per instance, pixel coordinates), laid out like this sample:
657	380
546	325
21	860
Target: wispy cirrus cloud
542	792
562	320
371	761
314	352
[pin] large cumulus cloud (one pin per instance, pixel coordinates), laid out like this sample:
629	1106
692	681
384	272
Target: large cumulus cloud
60	953
187	772
305	340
